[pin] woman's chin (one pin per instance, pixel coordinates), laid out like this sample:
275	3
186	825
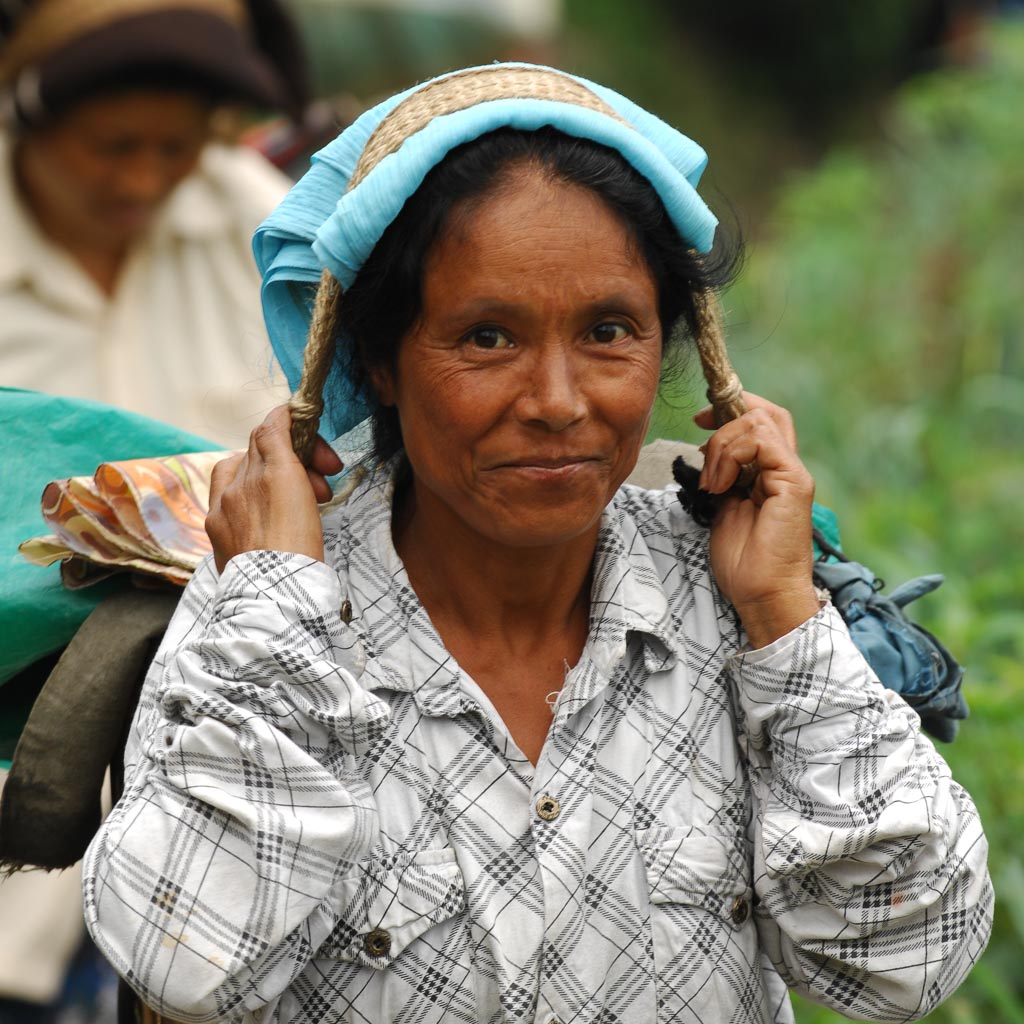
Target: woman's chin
543	524
534	506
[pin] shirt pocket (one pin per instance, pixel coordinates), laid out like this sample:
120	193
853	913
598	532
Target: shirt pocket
390	903
704	943
691	866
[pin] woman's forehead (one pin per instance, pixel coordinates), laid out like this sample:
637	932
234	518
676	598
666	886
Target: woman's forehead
523	186
535	236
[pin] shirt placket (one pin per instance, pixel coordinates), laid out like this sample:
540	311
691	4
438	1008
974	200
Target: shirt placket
562	800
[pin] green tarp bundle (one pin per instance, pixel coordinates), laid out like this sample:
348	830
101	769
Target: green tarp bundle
44	438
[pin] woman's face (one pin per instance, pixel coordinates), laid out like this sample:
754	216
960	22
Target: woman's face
525	388
101	171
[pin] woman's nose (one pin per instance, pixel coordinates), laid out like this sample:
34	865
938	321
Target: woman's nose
552	393
145	179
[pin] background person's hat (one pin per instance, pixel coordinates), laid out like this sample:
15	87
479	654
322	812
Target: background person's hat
55	51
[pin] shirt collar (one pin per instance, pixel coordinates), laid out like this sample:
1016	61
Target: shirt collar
404	651
627	595
198	209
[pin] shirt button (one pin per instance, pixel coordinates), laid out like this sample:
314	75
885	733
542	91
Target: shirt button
377	943
346	611
740	910
548	808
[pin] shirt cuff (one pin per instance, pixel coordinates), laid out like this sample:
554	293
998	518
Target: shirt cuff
783	644
812	690
270	594
275	575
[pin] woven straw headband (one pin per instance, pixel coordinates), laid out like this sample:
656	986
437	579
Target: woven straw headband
382	159
51	24
465	89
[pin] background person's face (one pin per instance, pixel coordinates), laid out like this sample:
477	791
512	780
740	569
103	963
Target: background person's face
102	170
525	388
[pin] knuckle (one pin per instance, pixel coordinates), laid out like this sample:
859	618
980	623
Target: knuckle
274	424
759	419
803	479
224	470
262	432
214	525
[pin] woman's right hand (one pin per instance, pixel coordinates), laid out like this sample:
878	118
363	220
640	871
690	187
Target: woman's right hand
265	499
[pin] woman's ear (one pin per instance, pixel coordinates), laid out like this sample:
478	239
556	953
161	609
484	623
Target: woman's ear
383	380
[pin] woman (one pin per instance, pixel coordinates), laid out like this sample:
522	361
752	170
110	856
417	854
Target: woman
126	275
501	739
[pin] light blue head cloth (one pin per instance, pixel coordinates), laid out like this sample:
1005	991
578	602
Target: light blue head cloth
324	224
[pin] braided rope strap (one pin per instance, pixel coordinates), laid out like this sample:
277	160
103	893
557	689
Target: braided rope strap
307	404
465	89
725	392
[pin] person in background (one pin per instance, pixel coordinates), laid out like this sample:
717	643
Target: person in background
126	275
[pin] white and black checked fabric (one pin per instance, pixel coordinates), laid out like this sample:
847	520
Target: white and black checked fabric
326	821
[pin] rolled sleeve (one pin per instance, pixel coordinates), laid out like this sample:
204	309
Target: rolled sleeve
208	885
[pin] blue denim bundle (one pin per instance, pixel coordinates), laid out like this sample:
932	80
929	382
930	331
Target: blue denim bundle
905	656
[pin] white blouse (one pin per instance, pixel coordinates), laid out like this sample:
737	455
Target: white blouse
326	820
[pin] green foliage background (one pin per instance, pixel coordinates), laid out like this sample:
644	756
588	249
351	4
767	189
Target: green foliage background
883	306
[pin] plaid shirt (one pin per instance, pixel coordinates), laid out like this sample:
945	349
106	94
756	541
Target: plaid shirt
325	820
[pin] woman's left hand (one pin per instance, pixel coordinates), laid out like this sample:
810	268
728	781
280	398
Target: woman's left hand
761	541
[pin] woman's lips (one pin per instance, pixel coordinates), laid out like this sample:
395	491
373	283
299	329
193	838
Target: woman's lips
549	469
538	461
129	216
560	462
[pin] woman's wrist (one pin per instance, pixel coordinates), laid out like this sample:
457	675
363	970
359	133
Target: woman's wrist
767	620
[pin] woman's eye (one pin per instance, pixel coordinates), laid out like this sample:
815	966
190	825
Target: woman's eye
114	148
606	334
490	337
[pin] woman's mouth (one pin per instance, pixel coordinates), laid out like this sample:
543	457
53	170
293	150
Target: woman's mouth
546	469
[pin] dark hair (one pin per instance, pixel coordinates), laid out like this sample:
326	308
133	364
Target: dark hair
386	297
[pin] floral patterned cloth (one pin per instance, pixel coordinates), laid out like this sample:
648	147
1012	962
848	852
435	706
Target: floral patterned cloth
143	515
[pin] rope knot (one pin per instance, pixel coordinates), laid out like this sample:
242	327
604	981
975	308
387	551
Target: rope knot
307	403
726	397
727	392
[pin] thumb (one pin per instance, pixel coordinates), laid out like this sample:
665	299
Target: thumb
272	439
